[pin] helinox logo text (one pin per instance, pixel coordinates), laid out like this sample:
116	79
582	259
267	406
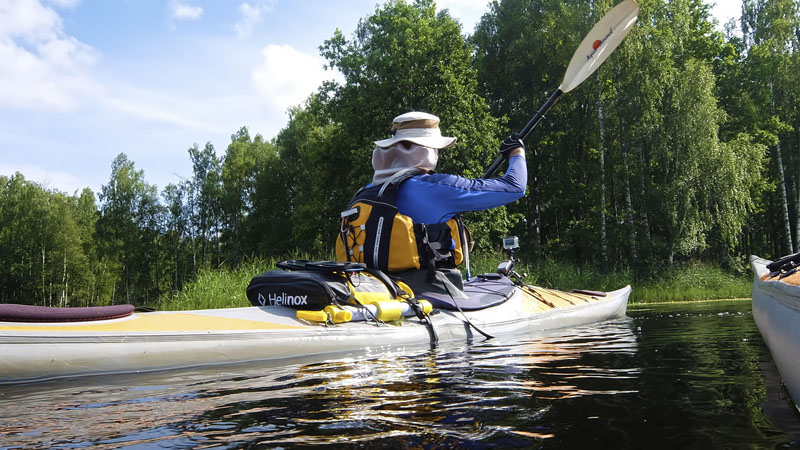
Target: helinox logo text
283	300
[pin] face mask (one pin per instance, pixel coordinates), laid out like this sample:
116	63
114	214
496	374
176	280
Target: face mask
402	155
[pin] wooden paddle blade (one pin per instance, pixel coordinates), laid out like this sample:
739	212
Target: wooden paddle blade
603	38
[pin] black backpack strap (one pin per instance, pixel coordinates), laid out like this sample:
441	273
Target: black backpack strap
447	285
320	266
426	252
292	264
390	284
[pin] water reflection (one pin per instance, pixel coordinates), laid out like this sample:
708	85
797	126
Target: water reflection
658	379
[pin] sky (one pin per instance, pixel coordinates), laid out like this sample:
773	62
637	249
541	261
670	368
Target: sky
82	81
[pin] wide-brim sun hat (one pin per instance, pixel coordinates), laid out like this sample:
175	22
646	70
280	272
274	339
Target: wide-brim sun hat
418	127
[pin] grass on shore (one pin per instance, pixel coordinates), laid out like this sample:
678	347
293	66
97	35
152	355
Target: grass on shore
220	288
225	288
679	283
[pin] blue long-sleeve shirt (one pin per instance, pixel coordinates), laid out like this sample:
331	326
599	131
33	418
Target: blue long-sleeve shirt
436	198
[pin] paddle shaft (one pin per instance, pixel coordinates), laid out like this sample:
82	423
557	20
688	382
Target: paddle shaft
525	130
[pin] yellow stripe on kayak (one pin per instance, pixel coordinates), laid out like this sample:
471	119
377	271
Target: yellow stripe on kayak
160	323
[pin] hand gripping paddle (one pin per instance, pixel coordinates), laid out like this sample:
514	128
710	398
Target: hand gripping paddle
595	48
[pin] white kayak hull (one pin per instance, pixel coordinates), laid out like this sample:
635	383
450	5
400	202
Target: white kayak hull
776	311
168	340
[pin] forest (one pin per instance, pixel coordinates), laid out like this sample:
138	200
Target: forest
684	146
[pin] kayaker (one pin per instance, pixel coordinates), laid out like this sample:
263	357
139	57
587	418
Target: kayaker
403	175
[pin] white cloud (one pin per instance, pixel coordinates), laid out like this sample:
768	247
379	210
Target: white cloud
40	66
286	77
180	10
251	16
44	69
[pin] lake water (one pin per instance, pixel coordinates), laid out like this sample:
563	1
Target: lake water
680	376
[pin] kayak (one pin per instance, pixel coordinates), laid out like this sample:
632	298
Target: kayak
776	311
151	341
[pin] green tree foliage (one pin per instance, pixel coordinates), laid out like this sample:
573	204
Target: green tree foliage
408	57
306	185
523	48
771	31
645	128
46	244
684	145
243	159
703	184
177	238
204	193
128	229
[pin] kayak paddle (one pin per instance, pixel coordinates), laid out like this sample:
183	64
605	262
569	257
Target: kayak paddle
602	39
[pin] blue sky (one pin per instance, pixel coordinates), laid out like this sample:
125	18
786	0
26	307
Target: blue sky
83	80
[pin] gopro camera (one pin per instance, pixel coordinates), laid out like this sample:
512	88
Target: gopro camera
511	243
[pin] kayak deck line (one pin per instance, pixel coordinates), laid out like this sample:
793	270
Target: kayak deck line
555	299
